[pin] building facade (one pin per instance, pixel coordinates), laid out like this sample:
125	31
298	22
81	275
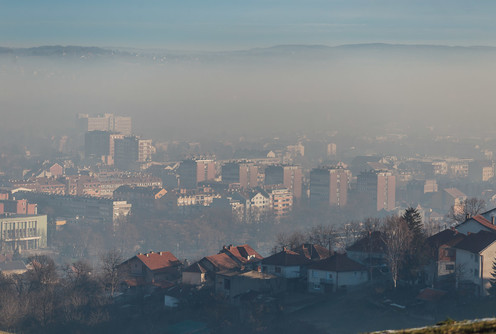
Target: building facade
23	232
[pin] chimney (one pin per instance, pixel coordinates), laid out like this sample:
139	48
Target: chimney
493	219
467	216
160	253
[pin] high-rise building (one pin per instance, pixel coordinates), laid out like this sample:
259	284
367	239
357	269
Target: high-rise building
338	187
106	122
245	174
96	144
145	150
112	138
130	151
378	188
123	124
187	174
331	150
329	186
289	176
126	153
205	170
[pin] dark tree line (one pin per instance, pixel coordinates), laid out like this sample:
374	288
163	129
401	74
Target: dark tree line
48	298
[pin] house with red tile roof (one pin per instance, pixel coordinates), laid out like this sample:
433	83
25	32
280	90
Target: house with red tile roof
244	254
152	268
204	271
335	272
477	223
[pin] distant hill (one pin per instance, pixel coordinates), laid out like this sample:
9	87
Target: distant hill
286	51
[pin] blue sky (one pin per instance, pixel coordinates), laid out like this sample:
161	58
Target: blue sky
234	24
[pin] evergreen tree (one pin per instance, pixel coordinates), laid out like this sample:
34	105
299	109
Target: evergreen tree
492	281
417	254
414	220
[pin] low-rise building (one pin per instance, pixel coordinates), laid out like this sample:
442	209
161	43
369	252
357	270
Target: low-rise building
23	232
475	256
334	273
287	264
232	284
151	268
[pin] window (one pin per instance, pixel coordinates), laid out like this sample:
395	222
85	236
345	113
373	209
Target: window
227	284
450	267
316	286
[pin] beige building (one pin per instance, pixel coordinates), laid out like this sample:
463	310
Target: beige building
23	232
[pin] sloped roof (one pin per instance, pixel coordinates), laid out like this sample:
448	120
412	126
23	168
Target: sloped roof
454	192
195	268
481	220
477	242
286	258
489	214
447	237
338	263
157	261
244	253
222	261
372	243
312	251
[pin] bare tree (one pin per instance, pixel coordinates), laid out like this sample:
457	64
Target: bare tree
322	235
112	271
469	207
350	233
42	281
291	240
397	238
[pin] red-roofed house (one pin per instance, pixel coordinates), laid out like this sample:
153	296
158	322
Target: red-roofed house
335	272
245	255
153	267
219	262
476	224
203	271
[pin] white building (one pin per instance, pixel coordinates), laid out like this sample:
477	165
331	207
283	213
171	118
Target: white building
335	272
475	256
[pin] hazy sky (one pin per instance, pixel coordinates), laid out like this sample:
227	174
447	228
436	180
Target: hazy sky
231	24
